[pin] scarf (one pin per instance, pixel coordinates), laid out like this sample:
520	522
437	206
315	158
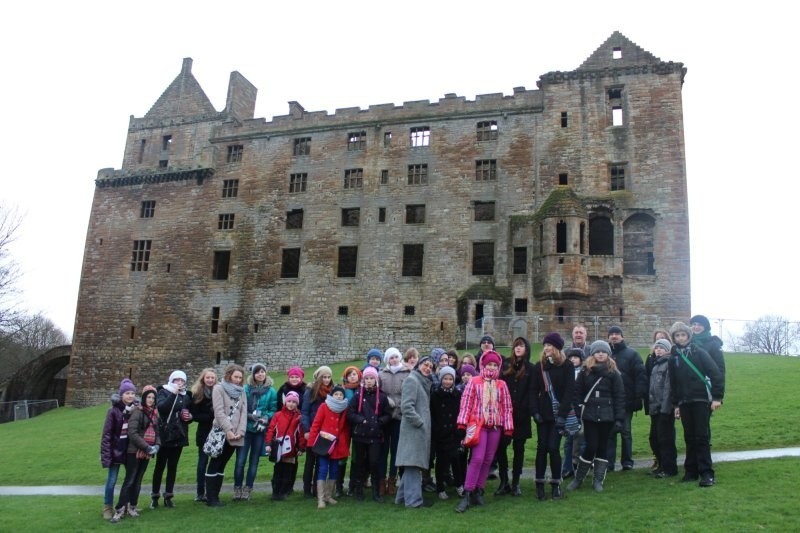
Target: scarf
335	405
364	390
351	386
489	404
256	392
233	391
699	339
397	368
601	369
150	431
323	390
207	392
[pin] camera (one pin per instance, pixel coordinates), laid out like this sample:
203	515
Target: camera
260	426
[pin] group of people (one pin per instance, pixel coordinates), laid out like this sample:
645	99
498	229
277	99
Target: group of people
404	418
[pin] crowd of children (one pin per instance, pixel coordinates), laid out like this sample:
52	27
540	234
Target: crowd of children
403	420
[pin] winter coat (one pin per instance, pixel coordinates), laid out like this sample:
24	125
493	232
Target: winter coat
521	391
308	409
414	444
114	441
335	424
630	366
286	388
472	400
686	386
392	387
222	408
367	421
266	403
607	401
713	345
174	431
203	415
286	422
137	425
563	379
659	401
444	415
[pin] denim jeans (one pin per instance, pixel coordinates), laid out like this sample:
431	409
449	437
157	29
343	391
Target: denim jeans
328	469
111	482
253	445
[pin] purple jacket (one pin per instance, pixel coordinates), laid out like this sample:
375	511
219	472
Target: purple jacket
114	442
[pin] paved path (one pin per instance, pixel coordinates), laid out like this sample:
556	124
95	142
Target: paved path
97	490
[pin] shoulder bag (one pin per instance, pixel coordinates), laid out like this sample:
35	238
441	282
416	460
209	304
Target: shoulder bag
215	441
573	423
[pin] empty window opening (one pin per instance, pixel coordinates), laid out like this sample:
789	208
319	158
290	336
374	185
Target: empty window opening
541	239
563	178
351	216
409	310
415	214
484	211
417	174
520	260
420	136
297	182
582	238
413	256
222	262
616	53
482	258
225	221
387	138
486	170
286	310
142	144
564	119
219	357
478	315
601	236
348	261
384	177
294	219
616	116
215	320
356	140
616	174
520	305
637	245
561	237
290	262
235	153
615	93
133	332
381	214
169	267
560	314
163	163
140	259
255	327
302	146
353	178
343	310
487	130
230	188
166	142
148	209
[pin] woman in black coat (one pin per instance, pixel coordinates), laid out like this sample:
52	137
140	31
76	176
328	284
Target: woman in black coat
202	409
518	374
604	410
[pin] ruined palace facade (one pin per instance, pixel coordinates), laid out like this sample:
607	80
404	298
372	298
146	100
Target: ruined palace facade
314	236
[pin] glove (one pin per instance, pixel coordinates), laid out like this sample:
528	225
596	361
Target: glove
618	426
152	450
537	418
561	423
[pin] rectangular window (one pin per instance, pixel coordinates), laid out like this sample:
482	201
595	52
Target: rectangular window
235	153
286	310
482	258
415	214
484	211
487	130
163	163
384	177
413	255
420	136
142	144
166	142
356	140
616	116
616	53
290	263
230	188
520	305
294	219
381	214
297	182
214	319
409	310
351	216
302	146
563	119
616	174
417	174
563	178
520	260
348	261
486	169
225	221
222	262
615	102
148	209
387	139
353	178
342	311
140	259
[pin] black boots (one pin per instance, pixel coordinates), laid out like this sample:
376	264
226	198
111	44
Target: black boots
213	488
555	490
376	493
168	500
463	505
540	494
600	467
154	500
515	490
504	488
580	473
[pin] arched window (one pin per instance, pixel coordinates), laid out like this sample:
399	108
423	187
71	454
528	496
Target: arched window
637	241
601	236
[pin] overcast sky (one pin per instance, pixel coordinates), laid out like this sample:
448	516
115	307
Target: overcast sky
72	76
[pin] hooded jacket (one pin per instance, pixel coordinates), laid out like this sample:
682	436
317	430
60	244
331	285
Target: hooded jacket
713	345
368	413
444	413
686	385
630	366
174	431
114	441
607	401
521	390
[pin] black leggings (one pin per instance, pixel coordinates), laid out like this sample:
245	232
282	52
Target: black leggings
596	436
548	445
168	457
518	446
134	472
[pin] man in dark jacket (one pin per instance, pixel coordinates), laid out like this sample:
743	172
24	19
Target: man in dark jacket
629	364
697	388
702	337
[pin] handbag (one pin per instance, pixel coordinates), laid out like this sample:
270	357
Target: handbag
280	446
324	444
473	434
215	441
573	423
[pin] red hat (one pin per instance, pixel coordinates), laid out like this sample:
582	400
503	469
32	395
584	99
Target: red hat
489	357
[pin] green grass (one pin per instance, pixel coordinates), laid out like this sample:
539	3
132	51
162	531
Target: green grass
750	495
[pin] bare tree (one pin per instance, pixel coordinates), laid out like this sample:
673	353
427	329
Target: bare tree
770	334
9	271
26	338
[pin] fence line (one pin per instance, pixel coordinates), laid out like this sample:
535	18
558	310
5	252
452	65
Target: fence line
24	409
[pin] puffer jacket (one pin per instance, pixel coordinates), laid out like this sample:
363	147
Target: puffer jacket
368	414
659	401
607	401
174	431
634	379
114	441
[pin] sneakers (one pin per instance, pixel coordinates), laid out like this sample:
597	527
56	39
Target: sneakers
108	512
627	467
460	491
443	495
707	480
132	511
118	515
687	478
429	487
